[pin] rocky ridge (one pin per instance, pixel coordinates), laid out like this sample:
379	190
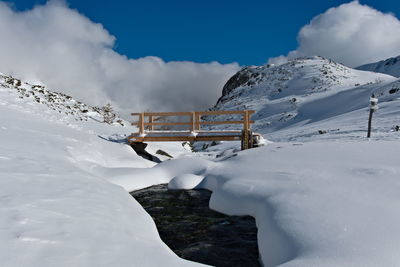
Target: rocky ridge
59	102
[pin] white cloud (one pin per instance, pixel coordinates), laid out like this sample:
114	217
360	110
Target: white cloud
351	33
55	44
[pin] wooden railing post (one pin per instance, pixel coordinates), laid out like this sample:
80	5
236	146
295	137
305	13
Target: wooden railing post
246	130
197	121
141	123
246	120
193	122
151	120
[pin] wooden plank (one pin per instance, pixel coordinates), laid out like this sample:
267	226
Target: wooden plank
216	112
183	138
215	132
218	138
189	132
224	122
167	113
167	123
224	112
165	132
164	138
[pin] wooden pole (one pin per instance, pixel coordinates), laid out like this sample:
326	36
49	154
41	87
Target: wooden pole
246	120
245	133
141	123
197	121
192	122
151	120
372	108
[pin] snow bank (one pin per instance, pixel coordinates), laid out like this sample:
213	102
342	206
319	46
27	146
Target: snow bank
185	181
56	209
322	204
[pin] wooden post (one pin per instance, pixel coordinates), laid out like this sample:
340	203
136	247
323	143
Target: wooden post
192	122
141	123
372	108
246	120
371	111
198	121
151	120
245	132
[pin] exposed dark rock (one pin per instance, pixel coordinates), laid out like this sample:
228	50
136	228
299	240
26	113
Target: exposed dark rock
163	153
140	149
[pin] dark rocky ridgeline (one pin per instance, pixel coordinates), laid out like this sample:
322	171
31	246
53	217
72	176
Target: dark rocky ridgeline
196	233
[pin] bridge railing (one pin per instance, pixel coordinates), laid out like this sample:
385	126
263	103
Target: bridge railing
148	122
151	119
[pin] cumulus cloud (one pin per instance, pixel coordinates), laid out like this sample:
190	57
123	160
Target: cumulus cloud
352	34
68	52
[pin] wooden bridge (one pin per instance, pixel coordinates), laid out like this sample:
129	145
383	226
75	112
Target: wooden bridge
149	121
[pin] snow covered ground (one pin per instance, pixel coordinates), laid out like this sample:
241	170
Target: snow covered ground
56	208
319	199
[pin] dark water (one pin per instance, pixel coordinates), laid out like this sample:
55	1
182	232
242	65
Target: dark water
196	233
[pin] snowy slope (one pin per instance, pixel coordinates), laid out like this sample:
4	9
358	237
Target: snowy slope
332	202
55	209
389	66
315	204
306	91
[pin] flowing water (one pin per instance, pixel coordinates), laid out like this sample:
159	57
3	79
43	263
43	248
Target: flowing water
197	233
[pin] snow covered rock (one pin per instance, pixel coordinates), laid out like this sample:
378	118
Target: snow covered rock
60	102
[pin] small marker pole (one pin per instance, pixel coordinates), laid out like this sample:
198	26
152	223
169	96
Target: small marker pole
373	106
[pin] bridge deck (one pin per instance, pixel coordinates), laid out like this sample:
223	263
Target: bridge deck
163	136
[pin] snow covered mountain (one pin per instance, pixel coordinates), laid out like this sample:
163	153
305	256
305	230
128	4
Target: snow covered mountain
389	66
307	92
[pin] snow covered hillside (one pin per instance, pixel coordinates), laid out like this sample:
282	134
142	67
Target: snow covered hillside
57	208
389	66
58	102
64	175
306	93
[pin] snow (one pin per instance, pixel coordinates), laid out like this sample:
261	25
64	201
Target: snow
389	66
323	203
305	90
185	181
56	209
319	199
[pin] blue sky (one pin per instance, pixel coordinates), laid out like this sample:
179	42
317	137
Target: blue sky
248	32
